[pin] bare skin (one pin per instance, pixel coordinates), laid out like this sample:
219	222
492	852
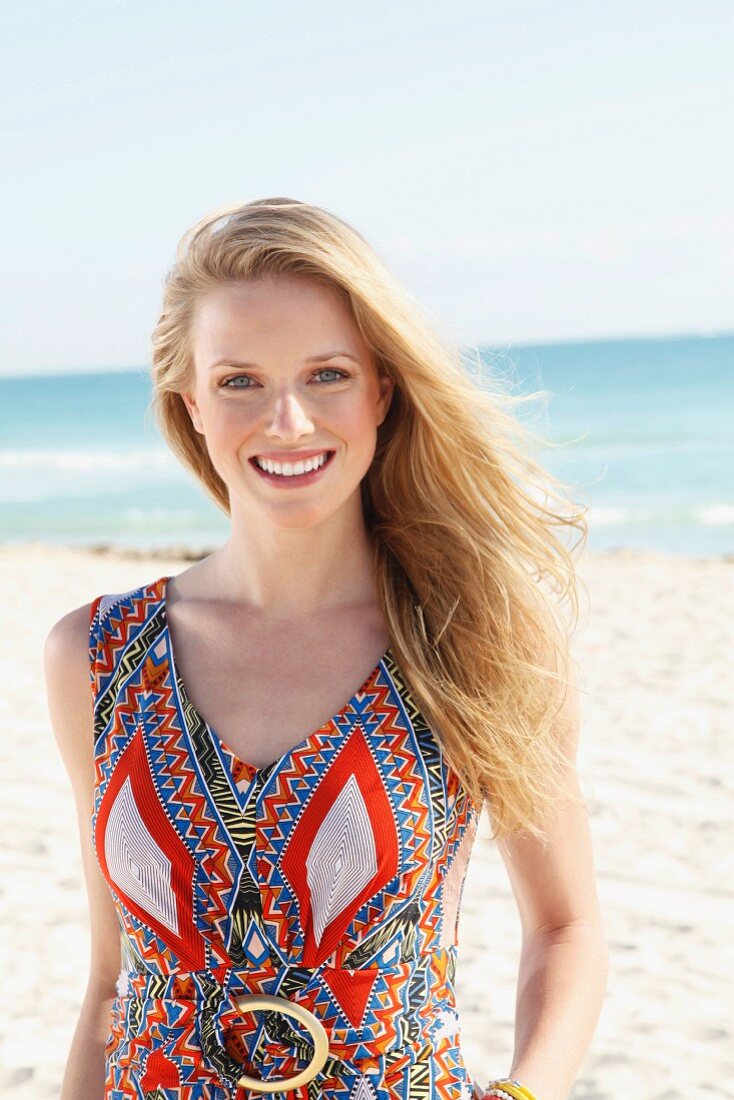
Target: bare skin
564	961
274	631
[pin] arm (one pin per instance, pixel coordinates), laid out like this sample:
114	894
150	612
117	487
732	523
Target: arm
564	958
69	700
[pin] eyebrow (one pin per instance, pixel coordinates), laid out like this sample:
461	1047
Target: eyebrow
323	358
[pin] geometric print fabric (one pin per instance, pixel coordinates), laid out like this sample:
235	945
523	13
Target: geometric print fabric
136	863
319	878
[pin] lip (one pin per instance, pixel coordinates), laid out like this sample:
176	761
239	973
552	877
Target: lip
293	482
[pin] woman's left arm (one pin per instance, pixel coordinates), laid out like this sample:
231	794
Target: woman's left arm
564	960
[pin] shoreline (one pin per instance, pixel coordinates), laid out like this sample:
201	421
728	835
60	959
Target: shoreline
184	552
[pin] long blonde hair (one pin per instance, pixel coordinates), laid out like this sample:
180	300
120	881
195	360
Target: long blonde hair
471	565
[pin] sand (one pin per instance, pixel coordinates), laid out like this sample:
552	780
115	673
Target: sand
655	761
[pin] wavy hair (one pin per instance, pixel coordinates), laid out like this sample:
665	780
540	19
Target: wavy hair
468	528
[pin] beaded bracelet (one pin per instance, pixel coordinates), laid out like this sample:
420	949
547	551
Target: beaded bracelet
507	1088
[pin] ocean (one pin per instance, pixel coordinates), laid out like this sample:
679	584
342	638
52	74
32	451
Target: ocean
642	429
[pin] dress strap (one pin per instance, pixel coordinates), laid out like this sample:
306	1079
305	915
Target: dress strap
96	648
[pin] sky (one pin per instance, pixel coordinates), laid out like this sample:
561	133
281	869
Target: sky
532	172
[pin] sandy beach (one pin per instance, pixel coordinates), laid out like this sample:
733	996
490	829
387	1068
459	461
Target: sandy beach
655	761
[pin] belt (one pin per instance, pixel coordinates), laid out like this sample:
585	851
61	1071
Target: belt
249	1002
364	1020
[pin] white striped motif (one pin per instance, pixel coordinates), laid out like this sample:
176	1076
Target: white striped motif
343	857
136	862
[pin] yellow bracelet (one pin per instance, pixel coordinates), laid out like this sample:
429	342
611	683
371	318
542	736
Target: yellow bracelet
509	1087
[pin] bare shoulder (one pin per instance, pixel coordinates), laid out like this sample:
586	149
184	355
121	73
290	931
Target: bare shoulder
69	636
68	687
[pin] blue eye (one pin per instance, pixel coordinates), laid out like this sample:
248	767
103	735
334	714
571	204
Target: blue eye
333	370
340	374
234	379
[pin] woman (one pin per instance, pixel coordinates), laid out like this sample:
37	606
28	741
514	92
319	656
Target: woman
387	531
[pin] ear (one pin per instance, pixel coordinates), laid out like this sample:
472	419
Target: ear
193	410
387	386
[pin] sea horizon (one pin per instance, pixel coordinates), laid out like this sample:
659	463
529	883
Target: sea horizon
640	427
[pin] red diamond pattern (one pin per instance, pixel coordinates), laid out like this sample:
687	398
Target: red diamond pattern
342	850
143	826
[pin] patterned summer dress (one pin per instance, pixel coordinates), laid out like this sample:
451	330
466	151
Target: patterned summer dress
331	877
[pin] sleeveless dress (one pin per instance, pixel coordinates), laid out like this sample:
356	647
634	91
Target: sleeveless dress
331	877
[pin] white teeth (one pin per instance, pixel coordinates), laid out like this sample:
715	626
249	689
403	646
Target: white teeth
289	469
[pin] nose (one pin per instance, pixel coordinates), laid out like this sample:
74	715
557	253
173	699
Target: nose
289	419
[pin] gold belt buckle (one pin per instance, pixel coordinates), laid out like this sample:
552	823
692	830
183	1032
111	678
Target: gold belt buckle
249	1002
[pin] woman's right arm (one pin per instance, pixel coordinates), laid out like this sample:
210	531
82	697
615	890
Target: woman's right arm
70	707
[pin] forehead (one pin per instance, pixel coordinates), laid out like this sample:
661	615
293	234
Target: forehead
284	314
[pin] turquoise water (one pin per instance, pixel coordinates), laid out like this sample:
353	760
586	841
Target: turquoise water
653	454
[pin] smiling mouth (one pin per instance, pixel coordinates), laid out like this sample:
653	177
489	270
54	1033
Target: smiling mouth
292	473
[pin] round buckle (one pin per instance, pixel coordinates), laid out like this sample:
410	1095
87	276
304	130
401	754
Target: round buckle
249	1002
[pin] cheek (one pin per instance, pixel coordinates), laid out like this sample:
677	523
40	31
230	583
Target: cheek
232	424
358	424
228	432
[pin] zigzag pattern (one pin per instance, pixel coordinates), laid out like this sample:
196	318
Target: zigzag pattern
319	879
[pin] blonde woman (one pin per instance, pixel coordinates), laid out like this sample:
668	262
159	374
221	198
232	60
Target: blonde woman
282	761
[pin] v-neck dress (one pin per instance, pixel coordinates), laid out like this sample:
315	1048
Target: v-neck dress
332	877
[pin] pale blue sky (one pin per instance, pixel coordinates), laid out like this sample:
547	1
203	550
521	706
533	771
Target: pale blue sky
531	171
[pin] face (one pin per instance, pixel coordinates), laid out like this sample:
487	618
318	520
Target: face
283	376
